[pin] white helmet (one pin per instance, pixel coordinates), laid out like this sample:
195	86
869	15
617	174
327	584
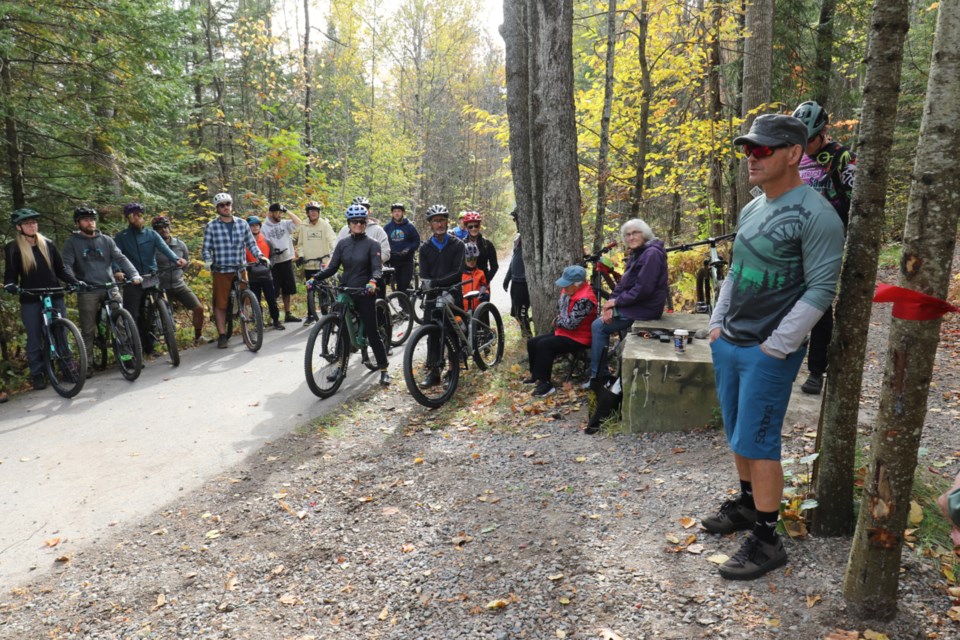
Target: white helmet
222	197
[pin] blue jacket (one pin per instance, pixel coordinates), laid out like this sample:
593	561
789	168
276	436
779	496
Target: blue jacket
404	240
141	248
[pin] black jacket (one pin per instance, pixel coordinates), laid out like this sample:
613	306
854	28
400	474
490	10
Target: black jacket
487	260
360	257
443	268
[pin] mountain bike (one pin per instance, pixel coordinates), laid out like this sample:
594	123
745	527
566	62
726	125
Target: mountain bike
603	277
158	317
244	306
337	335
401	312
710	276
436	351
319	298
64	355
117	329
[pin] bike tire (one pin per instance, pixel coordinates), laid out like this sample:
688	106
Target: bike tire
486	331
419	306
66	360
326	356
418	362
169	331
101	346
251	320
384	323
401	317
127	349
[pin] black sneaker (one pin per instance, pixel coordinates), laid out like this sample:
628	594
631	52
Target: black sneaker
385	379
530	380
39	382
292	318
432	379
543	389
732	516
754	559
222	341
279	326
813	385
310	320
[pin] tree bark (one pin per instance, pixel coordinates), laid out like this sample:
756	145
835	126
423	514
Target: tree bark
643	130
307	88
543	142
757	75
824	54
834	471
603	171
872	576
14	157
715	107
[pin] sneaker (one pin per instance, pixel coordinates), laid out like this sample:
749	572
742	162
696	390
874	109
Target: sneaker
39	382
813	385
292	318
310	320
732	516
222	341
530	380
543	389
432	379
385	379
754	559
201	340
279	326
333	375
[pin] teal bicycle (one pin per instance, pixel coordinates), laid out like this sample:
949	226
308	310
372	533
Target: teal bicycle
64	356
337	335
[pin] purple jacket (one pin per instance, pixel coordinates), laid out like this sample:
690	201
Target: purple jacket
642	291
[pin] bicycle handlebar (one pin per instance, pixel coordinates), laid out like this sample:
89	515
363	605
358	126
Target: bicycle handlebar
47	291
709	241
596	256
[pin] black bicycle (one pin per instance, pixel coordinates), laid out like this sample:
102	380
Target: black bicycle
710	276
401	312
437	350
158	317
244	306
64	355
319	298
603	277
117	329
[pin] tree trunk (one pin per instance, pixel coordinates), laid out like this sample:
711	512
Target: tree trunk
603	171
824	54
543	142
14	159
715	106
834	471
871	580
643	130
307	82
757	75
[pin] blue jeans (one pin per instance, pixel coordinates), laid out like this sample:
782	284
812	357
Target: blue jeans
30	315
754	391
601	340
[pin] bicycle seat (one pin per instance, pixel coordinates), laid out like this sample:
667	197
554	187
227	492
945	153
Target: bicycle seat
471	295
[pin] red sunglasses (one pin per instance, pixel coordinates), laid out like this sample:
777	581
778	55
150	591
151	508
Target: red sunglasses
760	150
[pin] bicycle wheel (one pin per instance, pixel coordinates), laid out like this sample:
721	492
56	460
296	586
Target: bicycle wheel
126	344
486	329
231	305
431	374
384	323
325	360
101	344
168	329
401	317
251	320
66	359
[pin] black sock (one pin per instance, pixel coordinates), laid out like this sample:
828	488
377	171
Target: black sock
746	494
766	526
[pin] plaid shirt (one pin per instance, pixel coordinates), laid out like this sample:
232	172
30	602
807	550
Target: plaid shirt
223	244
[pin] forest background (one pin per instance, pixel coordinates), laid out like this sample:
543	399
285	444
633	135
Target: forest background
168	103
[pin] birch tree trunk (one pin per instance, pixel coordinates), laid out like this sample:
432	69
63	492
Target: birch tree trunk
543	142
757	76
833	478
872	577
603	172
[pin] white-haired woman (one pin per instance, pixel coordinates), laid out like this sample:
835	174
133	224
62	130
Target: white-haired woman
640	294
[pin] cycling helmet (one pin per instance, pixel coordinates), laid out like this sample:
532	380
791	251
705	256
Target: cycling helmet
160	221
813	115
84	212
313	204
221	198
362	201
356	211
397	205
471	216
470	251
254	220
22	215
132	207
438	210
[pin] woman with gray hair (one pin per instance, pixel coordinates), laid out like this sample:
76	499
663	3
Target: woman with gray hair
640	294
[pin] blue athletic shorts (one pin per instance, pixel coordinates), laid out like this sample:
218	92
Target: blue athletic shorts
754	391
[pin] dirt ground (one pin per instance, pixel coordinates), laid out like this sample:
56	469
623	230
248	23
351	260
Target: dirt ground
495	518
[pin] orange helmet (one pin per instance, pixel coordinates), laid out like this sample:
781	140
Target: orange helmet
472	216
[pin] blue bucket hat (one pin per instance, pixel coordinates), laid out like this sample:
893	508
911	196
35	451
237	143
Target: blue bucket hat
571	275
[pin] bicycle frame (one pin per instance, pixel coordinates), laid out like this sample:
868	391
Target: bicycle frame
711	275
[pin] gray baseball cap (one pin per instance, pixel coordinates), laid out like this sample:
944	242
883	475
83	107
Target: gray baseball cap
775	130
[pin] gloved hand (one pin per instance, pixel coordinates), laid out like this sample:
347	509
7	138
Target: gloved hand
300	261
371	288
311	283
82	286
265	262
136	279
506	285
11	288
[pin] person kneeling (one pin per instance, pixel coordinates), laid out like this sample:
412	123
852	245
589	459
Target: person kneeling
576	310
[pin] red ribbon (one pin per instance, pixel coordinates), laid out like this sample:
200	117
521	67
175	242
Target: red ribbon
913	305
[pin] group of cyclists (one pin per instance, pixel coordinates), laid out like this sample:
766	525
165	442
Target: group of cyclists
263	252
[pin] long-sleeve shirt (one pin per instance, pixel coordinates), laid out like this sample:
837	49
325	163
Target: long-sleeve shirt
92	258
404	240
42	276
141	247
487	260
516	272
171	276
642	291
375	232
223	244
360	257
315	241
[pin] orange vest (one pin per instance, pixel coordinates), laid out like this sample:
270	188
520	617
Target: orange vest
582	333
473	280
264	248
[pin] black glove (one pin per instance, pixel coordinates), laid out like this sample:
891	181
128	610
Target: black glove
300	261
506	285
11	288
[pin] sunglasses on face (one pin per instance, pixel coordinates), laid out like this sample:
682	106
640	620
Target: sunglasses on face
473	226
760	150
358	222
224	205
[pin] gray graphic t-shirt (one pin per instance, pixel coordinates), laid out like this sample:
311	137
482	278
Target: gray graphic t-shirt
787	249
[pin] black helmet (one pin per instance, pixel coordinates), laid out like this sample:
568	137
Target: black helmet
84	212
22	215
813	115
160	221
131	208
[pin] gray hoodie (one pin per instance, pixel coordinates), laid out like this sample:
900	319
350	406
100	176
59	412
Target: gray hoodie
90	258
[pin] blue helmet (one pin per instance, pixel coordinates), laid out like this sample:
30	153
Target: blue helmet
254	220
356	211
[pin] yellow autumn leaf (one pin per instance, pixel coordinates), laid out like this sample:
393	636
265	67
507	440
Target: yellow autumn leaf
875	635
812	600
686	522
499	603
51	542
916	514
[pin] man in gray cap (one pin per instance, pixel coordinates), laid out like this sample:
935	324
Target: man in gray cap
783	276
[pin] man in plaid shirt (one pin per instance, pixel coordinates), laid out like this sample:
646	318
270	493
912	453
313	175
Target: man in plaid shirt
223	243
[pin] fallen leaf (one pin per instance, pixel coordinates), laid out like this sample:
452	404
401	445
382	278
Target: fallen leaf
390	511
63	559
812	600
555	577
418	461
686	522
51	542
916	514
499	603
366	499
695	549
561	634
874	635
231	583
408	548
840	634
529	453
158	532
289	599
462	539
564	600
213	534
609	634
581	458
718	558
672	539
384	614
161	600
